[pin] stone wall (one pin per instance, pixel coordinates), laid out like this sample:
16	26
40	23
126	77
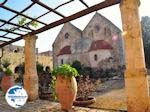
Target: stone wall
16	58
67	36
100	28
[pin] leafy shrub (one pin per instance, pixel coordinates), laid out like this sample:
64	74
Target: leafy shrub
102	73
8	72
77	65
5	63
39	67
20	69
52	88
65	70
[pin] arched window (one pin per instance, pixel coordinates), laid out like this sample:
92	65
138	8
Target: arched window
90	33
66	35
107	32
16	50
97	28
62	61
95	57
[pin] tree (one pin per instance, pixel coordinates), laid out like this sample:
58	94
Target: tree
145	23
77	65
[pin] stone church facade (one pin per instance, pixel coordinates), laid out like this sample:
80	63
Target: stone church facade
99	45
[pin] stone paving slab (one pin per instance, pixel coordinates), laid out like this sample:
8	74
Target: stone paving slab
42	106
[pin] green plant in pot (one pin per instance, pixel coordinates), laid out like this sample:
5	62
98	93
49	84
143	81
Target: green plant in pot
65	85
7	79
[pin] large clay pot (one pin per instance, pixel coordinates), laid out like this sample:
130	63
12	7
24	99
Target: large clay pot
66	90
6	83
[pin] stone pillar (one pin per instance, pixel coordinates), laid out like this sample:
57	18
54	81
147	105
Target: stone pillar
136	83
30	77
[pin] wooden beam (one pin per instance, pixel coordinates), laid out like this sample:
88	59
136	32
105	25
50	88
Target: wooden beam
4	2
9	31
84	3
5	37
47	7
18	13
3	41
69	18
6	22
77	15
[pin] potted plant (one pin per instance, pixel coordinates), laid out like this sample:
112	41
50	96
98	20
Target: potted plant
7	79
85	88
65	85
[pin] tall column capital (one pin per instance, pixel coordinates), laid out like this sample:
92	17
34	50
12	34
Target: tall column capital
31	37
130	2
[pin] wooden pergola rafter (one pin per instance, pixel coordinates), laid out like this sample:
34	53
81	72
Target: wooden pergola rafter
46	26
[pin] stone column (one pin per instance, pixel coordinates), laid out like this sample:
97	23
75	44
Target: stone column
30	77
136	83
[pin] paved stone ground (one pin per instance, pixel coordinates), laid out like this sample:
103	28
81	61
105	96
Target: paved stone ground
42	106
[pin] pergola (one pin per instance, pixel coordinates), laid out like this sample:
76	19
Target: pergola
135	75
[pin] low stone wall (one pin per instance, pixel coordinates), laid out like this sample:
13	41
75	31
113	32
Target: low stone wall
17	58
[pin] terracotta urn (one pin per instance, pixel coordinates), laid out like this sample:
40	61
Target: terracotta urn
66	90
6	83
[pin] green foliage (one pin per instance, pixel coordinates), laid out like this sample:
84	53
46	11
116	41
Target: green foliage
5	63
39	67
1	69
20	69
77	65
34	24
65	70
8	72
22	21
146	40
52	88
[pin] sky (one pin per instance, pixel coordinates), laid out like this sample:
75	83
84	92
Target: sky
45	39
